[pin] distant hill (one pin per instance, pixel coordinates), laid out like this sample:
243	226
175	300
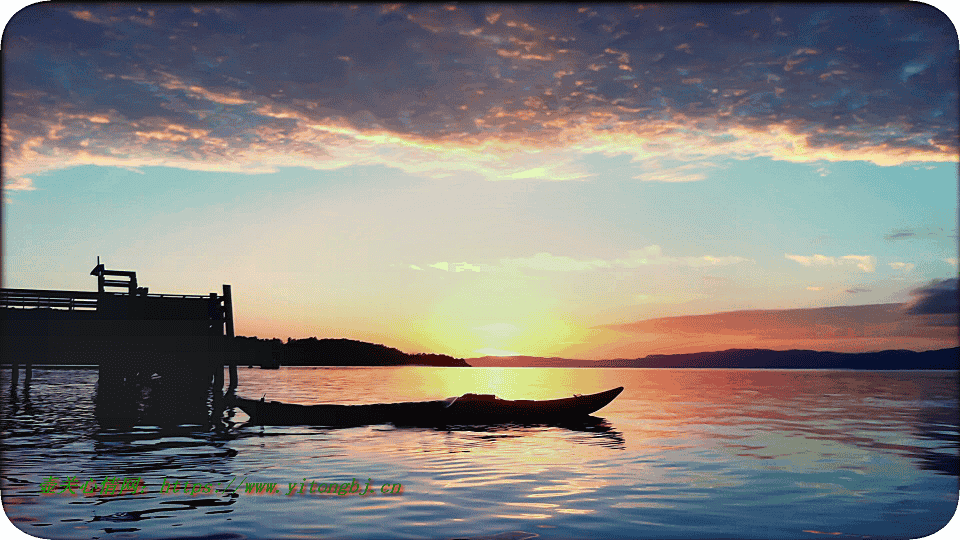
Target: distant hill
751	358
331	352
528	361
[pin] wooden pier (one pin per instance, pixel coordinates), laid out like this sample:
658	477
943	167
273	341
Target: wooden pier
131	334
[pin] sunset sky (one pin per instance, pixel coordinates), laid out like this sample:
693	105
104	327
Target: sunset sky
550	180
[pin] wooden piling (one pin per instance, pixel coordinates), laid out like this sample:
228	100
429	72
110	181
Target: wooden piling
228	319
216	331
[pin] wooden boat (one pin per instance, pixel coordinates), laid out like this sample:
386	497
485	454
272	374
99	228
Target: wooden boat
465	409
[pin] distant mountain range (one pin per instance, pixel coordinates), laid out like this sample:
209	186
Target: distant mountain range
750	358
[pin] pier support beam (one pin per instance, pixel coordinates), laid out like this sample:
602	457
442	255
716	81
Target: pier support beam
228	318
219	353
218	378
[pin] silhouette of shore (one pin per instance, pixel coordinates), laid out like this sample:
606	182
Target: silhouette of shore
750	359
50	349
330	352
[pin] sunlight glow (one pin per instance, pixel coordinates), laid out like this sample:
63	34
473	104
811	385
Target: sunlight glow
496	352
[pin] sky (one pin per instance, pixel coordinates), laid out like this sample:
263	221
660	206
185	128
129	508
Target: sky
583	181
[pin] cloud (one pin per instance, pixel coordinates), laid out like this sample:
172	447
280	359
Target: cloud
906	267
936	298
650	255
505	92
814	288
19	184
951	260
815	260
653	255
856	290
462	267
553	263
791	325
929	232
902	233
458	267
691	172
867	263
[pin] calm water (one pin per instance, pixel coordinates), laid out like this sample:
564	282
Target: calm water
680	454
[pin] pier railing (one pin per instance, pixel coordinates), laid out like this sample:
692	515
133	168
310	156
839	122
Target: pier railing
68	300
33	298
213	312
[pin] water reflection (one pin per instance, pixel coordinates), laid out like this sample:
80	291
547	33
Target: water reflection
65	428
182	504
172	400
17	403
937	424
590	430
784	418
679	453
512	535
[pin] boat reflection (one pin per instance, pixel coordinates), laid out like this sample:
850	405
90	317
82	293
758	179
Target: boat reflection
590	430
593	430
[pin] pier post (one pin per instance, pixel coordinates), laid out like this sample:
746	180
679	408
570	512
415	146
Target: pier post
218	379
216	331
228	318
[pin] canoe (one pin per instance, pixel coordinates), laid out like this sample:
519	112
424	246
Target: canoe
465	409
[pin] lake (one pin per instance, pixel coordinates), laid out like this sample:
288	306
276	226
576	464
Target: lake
681	453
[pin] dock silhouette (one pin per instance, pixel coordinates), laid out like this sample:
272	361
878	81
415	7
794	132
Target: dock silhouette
140	341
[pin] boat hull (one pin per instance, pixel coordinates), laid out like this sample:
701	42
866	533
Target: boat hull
466	409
